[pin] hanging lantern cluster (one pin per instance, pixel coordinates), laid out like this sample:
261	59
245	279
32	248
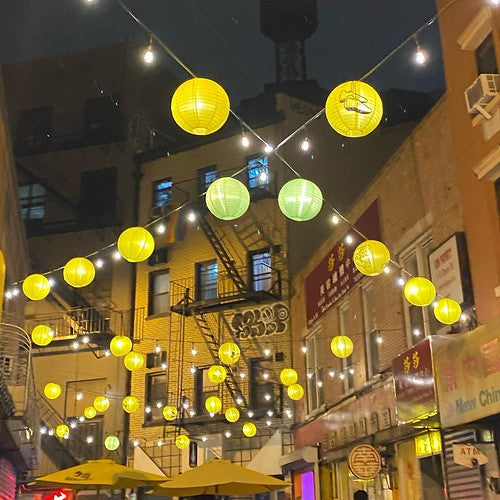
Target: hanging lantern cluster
36	287
341	346
42	335
371	257
419	291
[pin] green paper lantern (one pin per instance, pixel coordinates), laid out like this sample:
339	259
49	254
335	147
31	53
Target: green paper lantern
112	443
227	198
300	200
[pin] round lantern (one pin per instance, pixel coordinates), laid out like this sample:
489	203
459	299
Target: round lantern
169	413
354	109
36	287
232	414
101	404
227	198
136	244
130	404
249	429
229	353
42	335
79	272
341	346
213	404
288	376
447	311
300	200
90	412
200	106
217	374
111	443
295	392
62	430
120	345
419	291
133	361
371	257
52	390
182	442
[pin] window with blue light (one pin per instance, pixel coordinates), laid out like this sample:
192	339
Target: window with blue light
258	172
206	176
32	200
162	193
206	280
260	270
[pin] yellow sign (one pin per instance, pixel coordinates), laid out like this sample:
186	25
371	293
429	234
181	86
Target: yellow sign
467	374
428	444
468	456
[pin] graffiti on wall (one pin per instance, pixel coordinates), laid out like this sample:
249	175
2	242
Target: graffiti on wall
261	321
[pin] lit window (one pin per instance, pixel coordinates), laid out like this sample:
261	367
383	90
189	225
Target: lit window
206	280
162	193
260	270
258	172
32	200
206	176
156	395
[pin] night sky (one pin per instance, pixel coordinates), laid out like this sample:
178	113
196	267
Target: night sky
222	39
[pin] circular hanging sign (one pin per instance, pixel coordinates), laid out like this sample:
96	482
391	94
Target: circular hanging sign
364	461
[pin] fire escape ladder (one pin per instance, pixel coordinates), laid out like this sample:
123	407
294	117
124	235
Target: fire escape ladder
223	255
213	345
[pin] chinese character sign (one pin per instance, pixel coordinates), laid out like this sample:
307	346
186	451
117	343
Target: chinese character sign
414	383
336	274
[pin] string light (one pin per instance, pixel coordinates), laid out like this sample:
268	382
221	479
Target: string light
351	371
267	352
303	349
416	332
387	269
193	369
147	409
81	418
194	352
400	281
250	413
157	347
159	442
245	141
463	317
90	439
269	422
305	145
107	353
349	239
136	442
79	396
239	401
15	292
117	255
242	375
149	55
378	339
263	176
204	439
420	56
85	339
228	434
164	365
160	229
268	149
270	413
267	396
310	375
191	217
319	383
265	375
335	219
192	413
289	413
52	282
342	376
99	263
75	345
331	374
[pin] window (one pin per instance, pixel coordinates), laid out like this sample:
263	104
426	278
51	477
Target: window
415	313
156	359
262	395
206	280
85	440
314	371
156	395
347	374
258	172
205	177
371	333
159	292
260	270
162	193
32	200
159	256
486	60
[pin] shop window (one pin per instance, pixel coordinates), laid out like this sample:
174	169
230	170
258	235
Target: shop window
206	276
159	292
314	371
260	270
372	335
162	194
486	60
347	374
205	177
32	201
156	395
262	395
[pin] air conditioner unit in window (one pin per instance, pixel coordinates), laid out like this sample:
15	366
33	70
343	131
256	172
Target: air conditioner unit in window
481	93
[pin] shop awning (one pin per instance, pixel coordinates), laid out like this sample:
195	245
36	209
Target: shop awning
299	459
267	460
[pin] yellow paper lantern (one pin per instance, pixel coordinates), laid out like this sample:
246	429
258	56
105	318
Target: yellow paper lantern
295	392
419	291
101	404
90	412
62	430
249	429
229	353
52	390
217	374
232	414
42	335
447	311
112	443
169	413
120	345
36	287
371	257
133	361
130	404
213	404
354	109
136	244
200	106
288	376
182	442
341	346
79	272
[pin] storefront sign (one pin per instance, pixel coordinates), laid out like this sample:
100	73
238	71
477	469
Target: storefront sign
467	371
449	269
414	383
59	495
428	443
468	456
336	274
364	461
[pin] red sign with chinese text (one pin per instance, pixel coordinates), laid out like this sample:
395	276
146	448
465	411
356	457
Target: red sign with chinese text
414	383
336	274
364	461
59	495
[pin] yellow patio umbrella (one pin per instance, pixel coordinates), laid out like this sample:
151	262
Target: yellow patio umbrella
219	477
100	475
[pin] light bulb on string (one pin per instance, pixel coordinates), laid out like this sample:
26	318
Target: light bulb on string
191	216
419	56
250	413
387	269
194	351
117	255
245	141
52	282
157	347
15	292
305	145
99	263
349	239
331	374
400	281
149	55
303	349
160	228
335	219
263	176
268	149
267	352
